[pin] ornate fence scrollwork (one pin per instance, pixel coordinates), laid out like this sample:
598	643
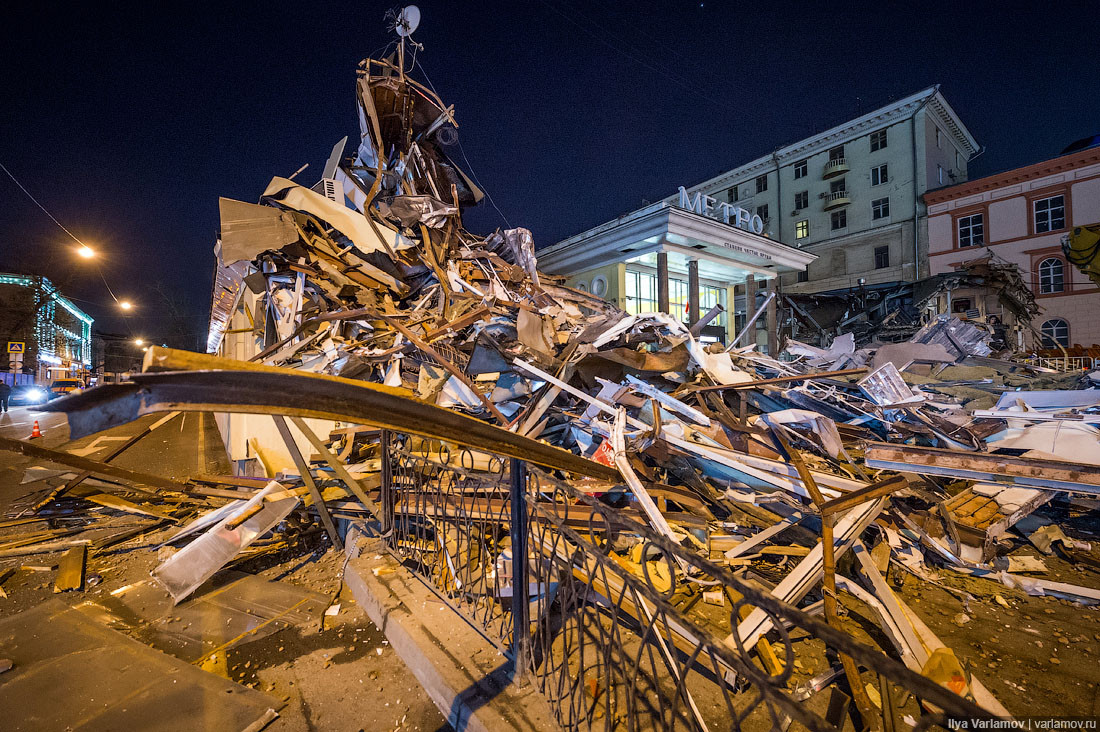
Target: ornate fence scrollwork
602	614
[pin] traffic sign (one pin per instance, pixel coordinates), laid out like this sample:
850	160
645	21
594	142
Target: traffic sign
17	347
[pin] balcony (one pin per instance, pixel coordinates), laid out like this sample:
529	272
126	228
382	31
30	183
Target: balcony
833	168
836	199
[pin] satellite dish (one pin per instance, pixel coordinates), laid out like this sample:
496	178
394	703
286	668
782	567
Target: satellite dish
407	21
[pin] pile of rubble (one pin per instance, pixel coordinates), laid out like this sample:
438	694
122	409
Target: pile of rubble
922	455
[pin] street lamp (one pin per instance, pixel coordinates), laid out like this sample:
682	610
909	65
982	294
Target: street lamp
139	342
126	305
85	251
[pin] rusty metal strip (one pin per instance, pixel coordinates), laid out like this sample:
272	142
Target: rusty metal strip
1030	472
239	387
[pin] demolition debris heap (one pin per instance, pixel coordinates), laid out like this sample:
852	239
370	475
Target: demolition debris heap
918	456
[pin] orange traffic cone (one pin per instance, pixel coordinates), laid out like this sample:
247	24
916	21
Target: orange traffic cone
35	432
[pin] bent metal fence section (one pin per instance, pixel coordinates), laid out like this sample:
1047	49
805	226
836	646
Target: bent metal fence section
611	629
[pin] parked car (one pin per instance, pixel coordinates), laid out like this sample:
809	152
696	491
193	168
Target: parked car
61	387
29	395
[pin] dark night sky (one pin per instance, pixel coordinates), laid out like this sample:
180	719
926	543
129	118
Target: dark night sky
128	122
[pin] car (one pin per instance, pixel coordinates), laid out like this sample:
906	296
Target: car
29	395
60	387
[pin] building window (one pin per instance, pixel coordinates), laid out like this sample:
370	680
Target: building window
1050	214
709	296
641	292
878	140
839	220
960	305
762	212
878	175
733	194
800	169
837	186
1055	333
804	276
761	183
939	138
802	229
958	160
882	257
880	208
971	231
939	170
801	200
1051	276
837	153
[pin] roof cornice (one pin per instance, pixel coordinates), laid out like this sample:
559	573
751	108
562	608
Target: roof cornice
881	117
1041	169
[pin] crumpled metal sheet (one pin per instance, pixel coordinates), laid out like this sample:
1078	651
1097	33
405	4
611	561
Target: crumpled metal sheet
412	210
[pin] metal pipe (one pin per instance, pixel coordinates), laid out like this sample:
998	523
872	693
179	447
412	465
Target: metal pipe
916	192
751	321
521	608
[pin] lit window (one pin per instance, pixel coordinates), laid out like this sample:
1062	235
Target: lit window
882	257
878	140
878	175
641	292
709	296
801	200
761	183
1055	333
880	208
839	220
971	231
678	299
1051	276
1050	214
802	229
800	169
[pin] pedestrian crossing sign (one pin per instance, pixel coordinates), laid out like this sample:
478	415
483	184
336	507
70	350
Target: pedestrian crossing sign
17	347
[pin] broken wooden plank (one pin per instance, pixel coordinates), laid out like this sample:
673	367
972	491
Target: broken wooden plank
70	570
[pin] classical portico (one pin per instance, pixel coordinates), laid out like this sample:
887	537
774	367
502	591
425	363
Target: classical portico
682	261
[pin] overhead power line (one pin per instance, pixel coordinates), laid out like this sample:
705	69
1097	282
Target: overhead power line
36	203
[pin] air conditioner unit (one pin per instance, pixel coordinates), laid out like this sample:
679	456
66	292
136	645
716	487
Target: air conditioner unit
330	189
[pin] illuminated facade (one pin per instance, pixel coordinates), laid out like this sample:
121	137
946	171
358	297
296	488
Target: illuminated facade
57	334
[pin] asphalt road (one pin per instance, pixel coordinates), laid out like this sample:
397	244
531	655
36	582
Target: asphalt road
186	445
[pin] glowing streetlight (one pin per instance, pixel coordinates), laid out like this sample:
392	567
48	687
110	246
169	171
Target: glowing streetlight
126	305
139	342
86	251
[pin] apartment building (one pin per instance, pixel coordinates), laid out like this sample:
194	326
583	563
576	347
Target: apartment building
851	195
1021	216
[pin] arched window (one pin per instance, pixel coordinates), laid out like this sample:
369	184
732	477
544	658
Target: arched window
1055	333
1051	276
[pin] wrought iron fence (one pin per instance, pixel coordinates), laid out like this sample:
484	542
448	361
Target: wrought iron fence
612	642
